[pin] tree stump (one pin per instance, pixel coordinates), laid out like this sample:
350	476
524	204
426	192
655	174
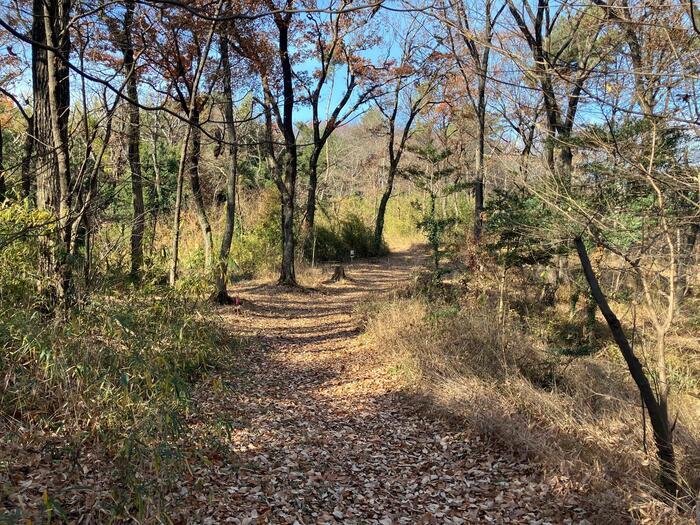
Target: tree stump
338	273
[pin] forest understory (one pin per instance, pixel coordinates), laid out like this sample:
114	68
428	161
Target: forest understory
303	421
319	405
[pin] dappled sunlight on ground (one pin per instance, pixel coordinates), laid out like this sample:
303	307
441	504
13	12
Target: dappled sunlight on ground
323	434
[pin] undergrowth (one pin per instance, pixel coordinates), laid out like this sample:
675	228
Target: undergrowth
336	241
111	380
578	415
342	225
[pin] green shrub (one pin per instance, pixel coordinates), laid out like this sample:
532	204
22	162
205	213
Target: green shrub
20	228
116	374
328	246
335	244
360	237
113	357
259	249
399	222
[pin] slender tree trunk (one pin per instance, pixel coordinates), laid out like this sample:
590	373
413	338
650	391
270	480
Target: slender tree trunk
313	184
3	188
551	116
195	184
134	145
657	410
479	180
480	145
221	295
183	153
178	208
92	193
310	217
155	193
381	210
287	271
528	139
502	295
686	248
662	378
157	187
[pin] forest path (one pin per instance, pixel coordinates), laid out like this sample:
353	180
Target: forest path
321	435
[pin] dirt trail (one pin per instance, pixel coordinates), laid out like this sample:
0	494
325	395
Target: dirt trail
321	436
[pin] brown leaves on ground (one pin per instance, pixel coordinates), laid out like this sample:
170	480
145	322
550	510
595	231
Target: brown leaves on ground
328	439
309	428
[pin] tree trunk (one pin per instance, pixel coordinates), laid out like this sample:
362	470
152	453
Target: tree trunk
192	106
221	295
290	158
686	248
155	192
287	271
338	274
552	118
3	188
134	145
196	187
663	434
662	386
479	183
310	216
565	161
52	101
311	198
502	295
178	209
381	210
480	150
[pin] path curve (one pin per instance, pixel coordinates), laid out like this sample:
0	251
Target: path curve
321	435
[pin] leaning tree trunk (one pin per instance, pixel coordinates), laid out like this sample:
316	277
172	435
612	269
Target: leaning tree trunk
51	102
310	217
221	278
381	210
658	413
134	144
195	184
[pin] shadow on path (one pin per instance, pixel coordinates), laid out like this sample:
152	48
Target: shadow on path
323	433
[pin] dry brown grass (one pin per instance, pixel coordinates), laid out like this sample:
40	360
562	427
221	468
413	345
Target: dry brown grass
580	418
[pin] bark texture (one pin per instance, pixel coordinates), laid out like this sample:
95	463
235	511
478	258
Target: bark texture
134	144
51	105
221	278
